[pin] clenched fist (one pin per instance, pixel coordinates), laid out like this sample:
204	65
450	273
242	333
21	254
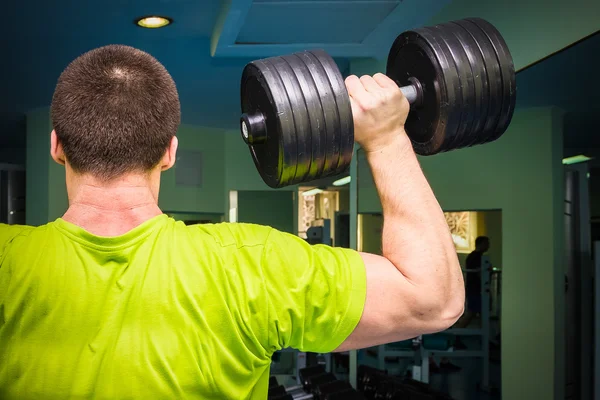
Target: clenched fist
379	109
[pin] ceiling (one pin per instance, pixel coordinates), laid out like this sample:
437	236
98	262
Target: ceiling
42	37
210	41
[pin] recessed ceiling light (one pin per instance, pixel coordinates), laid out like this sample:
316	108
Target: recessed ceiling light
153	21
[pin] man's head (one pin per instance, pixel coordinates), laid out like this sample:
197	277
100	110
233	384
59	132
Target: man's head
115	111
482	244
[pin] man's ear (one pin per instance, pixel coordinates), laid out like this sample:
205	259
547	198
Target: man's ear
170	155
56	149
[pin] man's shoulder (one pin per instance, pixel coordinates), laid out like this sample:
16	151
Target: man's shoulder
233	233
9	233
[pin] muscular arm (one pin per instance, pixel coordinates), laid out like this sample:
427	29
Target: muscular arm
416	287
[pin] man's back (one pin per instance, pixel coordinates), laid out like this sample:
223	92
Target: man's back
164	311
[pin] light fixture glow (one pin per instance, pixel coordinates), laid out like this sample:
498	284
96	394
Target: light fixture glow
342	181
312	192
153	21
575	159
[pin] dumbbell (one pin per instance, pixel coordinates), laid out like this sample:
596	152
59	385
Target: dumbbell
349	394
306	373
273	382
424	390
302	391
297	120
318	384
368	379
325	390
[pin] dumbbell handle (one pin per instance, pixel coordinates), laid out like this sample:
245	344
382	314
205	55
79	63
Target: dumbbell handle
304	397
413	92
410	92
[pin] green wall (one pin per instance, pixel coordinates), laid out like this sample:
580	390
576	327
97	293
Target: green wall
370	231
37	166
520	174
46	191
210	196
270	208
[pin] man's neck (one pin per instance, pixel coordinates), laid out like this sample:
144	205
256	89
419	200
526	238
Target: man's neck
111	209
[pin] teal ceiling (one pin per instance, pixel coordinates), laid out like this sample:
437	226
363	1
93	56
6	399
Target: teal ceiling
41	37
210	41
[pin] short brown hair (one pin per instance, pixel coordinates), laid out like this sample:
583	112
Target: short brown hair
115	110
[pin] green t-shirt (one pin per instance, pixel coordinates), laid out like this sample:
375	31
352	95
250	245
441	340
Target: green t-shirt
166	311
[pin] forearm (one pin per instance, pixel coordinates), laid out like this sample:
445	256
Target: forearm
416	237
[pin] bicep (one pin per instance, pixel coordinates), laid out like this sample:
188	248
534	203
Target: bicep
391	307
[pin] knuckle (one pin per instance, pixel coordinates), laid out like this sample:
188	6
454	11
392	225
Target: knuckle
382	97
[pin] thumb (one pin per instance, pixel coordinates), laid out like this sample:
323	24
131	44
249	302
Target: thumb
356	110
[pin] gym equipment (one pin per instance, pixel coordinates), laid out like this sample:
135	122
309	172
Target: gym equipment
297	120
327	390
317	380
438	341
308	372
376	384
273	382
316	384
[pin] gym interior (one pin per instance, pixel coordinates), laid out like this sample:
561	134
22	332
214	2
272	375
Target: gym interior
534	192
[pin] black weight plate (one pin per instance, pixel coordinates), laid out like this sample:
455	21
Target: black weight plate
452	79
466	84
344	109
302	131
475	80
316	131
331	116
494	77
427	124
479	79
509	84
262	92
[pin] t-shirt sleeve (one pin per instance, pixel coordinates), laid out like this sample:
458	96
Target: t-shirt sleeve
315	293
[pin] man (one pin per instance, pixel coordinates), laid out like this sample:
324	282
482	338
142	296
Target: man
473	281
116	301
